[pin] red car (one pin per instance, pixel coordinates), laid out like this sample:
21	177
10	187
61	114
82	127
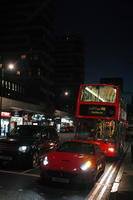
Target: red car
75	161
109	148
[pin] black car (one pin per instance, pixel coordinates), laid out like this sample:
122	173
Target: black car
25	144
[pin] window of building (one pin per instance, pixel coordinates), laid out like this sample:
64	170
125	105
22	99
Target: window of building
15	87
39	72
36	57
20	89
12	86
6	84
9	85
2	83
23	56
18	73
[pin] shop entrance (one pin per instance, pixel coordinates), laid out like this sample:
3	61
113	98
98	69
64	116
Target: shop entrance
4	126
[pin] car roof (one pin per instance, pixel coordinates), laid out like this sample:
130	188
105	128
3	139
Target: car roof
35	126
82	141
29	126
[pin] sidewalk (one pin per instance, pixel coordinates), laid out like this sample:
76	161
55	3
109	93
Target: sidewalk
125	189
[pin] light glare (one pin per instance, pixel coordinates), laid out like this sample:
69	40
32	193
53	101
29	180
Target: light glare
23	148
86	166
11	66
45	161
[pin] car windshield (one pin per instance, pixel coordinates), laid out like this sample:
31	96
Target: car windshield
25	131
77	147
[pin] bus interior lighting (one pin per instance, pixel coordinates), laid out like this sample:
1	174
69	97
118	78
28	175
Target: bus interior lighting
89	90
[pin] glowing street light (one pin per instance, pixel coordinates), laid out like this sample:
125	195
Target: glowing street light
11	66
66	93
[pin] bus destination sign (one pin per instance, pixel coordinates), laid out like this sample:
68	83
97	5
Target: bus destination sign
97	110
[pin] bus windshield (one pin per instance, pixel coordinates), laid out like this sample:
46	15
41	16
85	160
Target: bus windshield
98	93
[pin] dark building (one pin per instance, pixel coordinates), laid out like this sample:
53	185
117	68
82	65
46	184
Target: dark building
113	81
69	71
26	40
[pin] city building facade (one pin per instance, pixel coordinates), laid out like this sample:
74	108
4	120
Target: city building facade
26	38
69	71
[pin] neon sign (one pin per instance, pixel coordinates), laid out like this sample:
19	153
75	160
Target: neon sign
5	114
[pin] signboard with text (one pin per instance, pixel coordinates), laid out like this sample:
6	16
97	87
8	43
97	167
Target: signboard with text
97	110
5	114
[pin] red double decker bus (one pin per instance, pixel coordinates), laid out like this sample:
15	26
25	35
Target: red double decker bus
101	115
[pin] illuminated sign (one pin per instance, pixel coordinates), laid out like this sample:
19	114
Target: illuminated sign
5	114
97	110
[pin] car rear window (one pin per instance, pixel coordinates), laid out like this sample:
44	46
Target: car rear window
25	131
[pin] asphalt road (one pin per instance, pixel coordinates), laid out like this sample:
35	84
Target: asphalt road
26	185
16	184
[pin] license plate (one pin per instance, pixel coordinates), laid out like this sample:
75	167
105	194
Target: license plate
60	180
6	157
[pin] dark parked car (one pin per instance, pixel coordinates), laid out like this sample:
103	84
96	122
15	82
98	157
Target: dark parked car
26	143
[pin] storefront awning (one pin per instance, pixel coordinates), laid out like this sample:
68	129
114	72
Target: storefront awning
14	105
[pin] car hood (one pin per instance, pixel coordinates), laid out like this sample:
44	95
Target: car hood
67	161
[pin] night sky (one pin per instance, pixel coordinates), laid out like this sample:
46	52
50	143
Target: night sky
106	28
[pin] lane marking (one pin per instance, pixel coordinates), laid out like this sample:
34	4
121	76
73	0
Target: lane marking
28	170
117	180
92	194
107	183
119	176
19	173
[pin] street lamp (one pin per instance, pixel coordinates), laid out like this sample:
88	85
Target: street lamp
2	71
11	66
66	93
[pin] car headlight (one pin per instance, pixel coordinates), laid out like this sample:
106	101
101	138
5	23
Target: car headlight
45	160
111	149
86	165
23	148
